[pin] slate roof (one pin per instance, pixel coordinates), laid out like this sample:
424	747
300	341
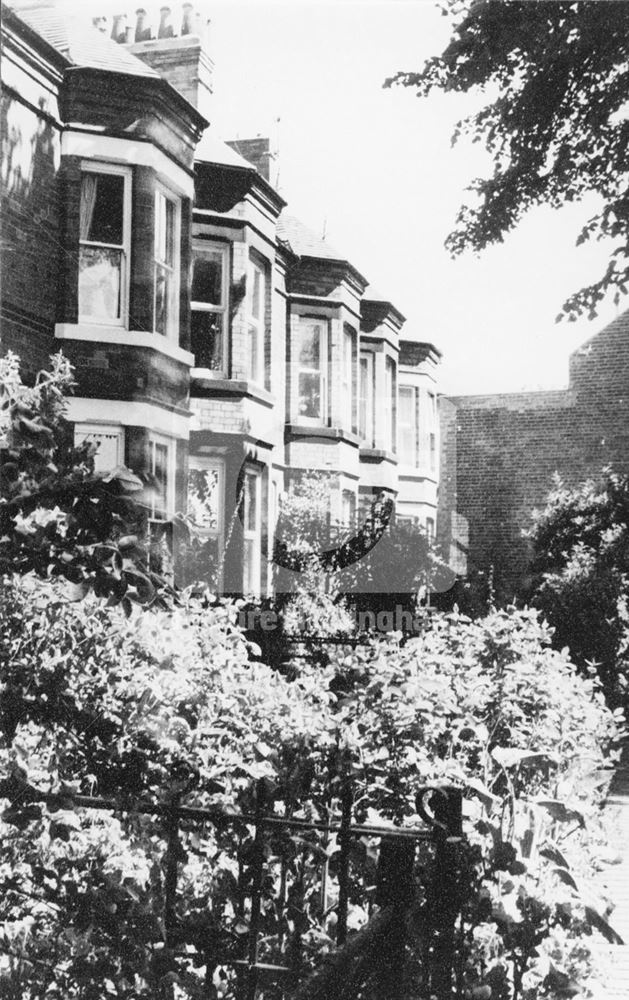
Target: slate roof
78	40
303	241
213	150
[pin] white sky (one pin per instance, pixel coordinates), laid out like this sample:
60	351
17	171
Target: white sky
376	169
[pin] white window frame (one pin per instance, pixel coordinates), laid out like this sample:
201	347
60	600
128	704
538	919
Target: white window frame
205	248
432	436
252	571
322	370
366	433
172	330
94	431
347	376
389	405
414	427
161	439
348	508
99	167
257	324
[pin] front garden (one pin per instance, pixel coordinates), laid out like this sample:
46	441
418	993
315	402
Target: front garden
118	690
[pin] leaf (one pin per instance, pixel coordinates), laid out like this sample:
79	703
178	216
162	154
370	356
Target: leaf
76	591
552	853
564	876
512	756
560	812
600	924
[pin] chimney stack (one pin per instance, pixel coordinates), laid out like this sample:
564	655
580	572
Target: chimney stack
181	59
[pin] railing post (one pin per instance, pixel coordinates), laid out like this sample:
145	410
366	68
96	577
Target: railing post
395	888
444	899
173	854
257	871
345	840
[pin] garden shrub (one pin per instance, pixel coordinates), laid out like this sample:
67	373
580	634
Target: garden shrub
581	567
168	704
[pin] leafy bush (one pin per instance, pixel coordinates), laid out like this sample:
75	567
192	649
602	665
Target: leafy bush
167	704
57	517
581	562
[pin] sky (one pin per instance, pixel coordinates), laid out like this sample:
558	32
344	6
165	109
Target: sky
374	170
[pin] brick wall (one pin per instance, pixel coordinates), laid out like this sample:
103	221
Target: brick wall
499	454
31	249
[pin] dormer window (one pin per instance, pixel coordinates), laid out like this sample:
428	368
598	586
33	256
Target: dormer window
166	264
105	237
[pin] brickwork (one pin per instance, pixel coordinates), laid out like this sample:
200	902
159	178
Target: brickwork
30	232
499	453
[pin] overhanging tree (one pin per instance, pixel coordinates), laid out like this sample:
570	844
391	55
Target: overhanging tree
556	119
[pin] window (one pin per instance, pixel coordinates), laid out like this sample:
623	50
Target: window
166	264
348	508
366	400
432	443
255	322
251	533
209	314
347	401
430	529
161	467
104	241
389	405
312	365
408	441
110	442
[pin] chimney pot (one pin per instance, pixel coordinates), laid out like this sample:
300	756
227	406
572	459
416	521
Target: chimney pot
187	24
142	30
119	27
165	26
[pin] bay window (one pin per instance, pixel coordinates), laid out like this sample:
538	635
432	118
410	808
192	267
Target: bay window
209	308
256	308
366	399
408	441
311	369
104	243
166	264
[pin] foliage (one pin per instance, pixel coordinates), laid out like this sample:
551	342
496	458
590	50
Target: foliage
57	517
554	75
581	562
168	706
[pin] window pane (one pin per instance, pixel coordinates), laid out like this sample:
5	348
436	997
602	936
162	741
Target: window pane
252	352
207	279
99	282
101	208
310	346
309	394
164	230
207	339
251	506
109	443
169	250
160	471
162	298
256	294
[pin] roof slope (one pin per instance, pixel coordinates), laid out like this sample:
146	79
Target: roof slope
303	241
78	40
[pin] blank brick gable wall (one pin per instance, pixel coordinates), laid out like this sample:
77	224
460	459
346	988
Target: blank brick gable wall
499	453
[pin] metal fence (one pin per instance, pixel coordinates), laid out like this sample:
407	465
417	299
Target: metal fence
399	870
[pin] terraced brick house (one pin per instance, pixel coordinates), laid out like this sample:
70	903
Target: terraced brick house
219	346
